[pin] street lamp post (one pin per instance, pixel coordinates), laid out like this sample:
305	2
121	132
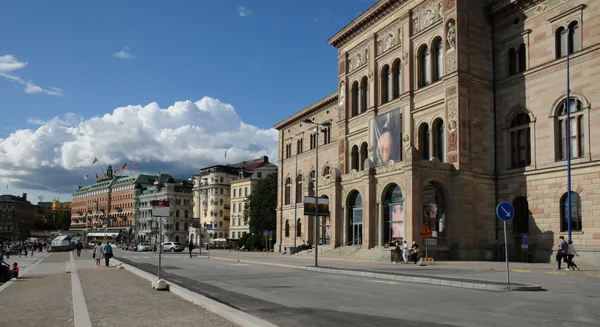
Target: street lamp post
317	218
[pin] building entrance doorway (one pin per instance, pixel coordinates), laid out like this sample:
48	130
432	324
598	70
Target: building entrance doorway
354	231
357	226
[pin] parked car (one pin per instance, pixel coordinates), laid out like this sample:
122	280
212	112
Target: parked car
172	247
145	247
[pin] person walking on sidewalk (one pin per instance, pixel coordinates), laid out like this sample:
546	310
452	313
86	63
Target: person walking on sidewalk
107	253
190	248
79	246
562	251
415	252
97	253
405	252
570	254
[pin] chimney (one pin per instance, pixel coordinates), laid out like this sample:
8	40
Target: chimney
265	159
25	196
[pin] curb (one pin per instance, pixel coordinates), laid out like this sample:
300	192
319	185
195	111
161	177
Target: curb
235	316
24	272
483	285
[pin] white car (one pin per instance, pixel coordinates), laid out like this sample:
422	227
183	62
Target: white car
172	247
144	247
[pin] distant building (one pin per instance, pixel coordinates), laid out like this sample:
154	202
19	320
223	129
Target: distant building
17	216
175	227
61	206
42	210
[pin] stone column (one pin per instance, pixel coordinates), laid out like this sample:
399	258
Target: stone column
344	221
380	223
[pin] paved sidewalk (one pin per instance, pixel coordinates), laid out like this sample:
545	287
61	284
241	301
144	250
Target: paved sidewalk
64	290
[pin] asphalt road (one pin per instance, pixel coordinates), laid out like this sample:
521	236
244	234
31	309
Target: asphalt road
293	297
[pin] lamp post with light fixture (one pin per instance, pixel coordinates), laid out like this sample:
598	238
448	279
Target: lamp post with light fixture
317	218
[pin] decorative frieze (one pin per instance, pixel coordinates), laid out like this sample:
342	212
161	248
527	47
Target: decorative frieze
451	64
389	37
426	15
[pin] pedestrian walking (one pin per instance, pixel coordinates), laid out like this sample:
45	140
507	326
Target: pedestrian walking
397	251
405	252
190	248
97	253
571	253
414	251
562	252
107	253
79	246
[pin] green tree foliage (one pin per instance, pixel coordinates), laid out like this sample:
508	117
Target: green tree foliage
259	209
62	220
39	224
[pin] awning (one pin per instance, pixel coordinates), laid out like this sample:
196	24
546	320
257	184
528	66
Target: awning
103	234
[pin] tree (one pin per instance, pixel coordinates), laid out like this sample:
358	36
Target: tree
259	209
62	220
39	224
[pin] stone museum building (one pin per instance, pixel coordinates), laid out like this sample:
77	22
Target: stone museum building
442	110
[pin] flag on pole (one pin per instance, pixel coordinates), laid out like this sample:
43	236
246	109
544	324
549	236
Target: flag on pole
97	176
95	160
134	164
116	169
124	167
86	177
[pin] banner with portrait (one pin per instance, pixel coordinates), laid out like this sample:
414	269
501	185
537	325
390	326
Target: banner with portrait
397	221
387	137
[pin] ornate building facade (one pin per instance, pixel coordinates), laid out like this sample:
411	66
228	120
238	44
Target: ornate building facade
444	109
17	217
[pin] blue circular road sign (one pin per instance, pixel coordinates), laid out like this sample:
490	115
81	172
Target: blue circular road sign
505	211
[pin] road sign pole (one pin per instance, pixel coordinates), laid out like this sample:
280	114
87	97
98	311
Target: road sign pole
506	255
426	254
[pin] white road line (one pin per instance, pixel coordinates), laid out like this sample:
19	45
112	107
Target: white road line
80	310
238	264
382	282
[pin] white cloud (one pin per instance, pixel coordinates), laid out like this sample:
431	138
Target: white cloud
9	64
244	12
179	140
124	54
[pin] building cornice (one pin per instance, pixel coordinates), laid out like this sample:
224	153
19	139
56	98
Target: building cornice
324	102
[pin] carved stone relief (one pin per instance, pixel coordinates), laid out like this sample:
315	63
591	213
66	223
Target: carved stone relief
452	142
451	91
452	109
449	4
451	62
358	60
452	158
452	125
406	138
451	35
429	18
342	68
342	95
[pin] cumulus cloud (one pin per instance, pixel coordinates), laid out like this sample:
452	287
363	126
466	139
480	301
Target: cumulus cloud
244	12
9	64
124	54
179	140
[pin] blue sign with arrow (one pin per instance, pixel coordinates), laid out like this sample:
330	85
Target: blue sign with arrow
505	211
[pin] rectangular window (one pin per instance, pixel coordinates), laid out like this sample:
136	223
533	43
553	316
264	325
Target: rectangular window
259	174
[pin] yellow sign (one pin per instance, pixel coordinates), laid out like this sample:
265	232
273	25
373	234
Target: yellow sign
426	232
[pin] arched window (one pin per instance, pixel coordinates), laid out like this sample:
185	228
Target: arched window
177	213
245	191
384	78
326	171
439	142
221	201
299	189
520	141
185	227
177	226
438	62
573	37
364	94
567	39
355	158
311	182
287	228
298	228
288	189
512	61
577	129
424	67
220	224
299	146
576	212
355	99
424	141
234	193
185	214
397	78
522	58
220	235
364	152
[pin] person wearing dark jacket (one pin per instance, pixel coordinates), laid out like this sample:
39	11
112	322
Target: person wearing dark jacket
79	246
190	248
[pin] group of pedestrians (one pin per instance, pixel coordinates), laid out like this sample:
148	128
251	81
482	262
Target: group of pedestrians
566	252
99	252
404	252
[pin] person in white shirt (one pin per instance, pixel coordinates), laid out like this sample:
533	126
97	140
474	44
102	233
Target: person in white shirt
405	252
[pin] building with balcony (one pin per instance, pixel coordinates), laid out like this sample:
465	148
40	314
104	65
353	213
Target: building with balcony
241	188
443	109
110	207
175	227
17	217
212	199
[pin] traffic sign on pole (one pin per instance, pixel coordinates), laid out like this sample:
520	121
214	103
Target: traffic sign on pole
505	211
426	232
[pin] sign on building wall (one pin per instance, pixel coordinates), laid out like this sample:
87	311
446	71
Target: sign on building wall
387	137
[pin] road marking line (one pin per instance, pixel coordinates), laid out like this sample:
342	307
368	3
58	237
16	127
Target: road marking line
80	310
522	270
593	275
382	282
555	273
238	264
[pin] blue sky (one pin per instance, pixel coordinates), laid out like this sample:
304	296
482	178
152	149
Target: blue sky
244	65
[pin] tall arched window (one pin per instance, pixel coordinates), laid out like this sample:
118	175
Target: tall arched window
311	182
177	225
520	141
326	171
577	129
438	139
424	141
245	191
364	152
573	37
298	228
512	61
424	67
355	158
522	58
299	189
355	99
364	94
397	78
384	84
185	227
576	212
438	49
287	192
567	39
177	213
287	228
185	214
234	193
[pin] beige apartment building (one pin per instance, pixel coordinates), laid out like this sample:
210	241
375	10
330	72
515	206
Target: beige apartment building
443	109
